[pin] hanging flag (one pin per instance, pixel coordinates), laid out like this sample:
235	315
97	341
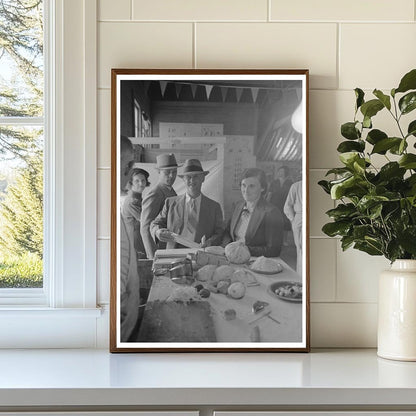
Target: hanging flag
178	88
193	89
163	85
208	89
255	93
239	92
223	92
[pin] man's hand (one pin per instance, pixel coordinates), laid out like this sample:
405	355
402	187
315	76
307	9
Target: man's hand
163	234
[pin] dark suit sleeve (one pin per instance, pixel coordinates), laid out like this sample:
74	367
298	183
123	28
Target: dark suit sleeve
273	229
226	236
160	221
150	210
216	237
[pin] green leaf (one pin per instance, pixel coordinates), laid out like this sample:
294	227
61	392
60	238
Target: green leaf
325	186
350	146
391	170
383	145
359	95
348	158
349	131
338	171
393	250
342	211
367	122
333	229
408	102
346	242
398	149
348	187
385	99
369	248
371	108
375	135
361	231
375	212
407	240
408	161
369	201
411	130
408	82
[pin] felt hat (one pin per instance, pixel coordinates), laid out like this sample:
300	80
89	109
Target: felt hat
166	161
192	167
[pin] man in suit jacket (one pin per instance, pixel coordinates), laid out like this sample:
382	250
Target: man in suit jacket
254	220
193	215
154	200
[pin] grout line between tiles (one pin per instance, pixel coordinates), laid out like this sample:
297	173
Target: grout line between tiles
131	9
194	63
336	270
269	10
344	303
338	63
306	22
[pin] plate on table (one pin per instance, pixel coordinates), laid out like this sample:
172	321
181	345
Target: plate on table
290	291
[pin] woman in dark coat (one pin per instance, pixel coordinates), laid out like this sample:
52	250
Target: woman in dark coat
131	209
255	221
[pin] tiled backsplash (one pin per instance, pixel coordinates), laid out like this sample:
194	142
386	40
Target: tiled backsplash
345	44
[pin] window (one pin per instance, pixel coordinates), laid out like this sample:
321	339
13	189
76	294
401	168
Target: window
64	312
22	128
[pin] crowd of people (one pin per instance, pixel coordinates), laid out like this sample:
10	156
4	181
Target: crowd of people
155	220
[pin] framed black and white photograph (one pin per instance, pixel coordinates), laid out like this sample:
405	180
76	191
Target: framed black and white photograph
209	210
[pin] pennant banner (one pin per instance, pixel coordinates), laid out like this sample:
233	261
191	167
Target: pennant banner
178	88
208	89
163	85
239	92
223	92
255	93
193	89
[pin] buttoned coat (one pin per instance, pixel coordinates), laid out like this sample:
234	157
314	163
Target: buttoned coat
210	220
129	283
264	235
152	204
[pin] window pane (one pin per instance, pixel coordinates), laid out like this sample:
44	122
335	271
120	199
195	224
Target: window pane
21	58
21	207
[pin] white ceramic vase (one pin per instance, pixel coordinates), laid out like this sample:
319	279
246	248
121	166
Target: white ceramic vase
397	312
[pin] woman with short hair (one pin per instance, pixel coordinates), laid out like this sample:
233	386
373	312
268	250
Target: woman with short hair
255	221
131	209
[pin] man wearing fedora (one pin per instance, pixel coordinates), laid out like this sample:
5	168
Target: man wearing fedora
193	215
154	200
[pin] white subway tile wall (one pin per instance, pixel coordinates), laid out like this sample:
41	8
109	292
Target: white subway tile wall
355	10
201	10
104	128
344	44
270	45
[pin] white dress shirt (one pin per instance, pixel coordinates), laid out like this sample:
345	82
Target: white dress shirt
185	232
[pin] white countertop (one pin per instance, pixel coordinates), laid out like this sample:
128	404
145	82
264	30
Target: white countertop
96	377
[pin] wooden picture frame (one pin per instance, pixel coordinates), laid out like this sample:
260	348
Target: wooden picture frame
229	121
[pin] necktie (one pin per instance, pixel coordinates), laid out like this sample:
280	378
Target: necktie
192	217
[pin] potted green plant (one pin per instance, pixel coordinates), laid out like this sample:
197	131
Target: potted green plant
376	206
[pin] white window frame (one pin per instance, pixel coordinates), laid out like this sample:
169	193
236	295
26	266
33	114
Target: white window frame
64	313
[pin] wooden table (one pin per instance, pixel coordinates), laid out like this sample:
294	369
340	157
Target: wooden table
288	314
